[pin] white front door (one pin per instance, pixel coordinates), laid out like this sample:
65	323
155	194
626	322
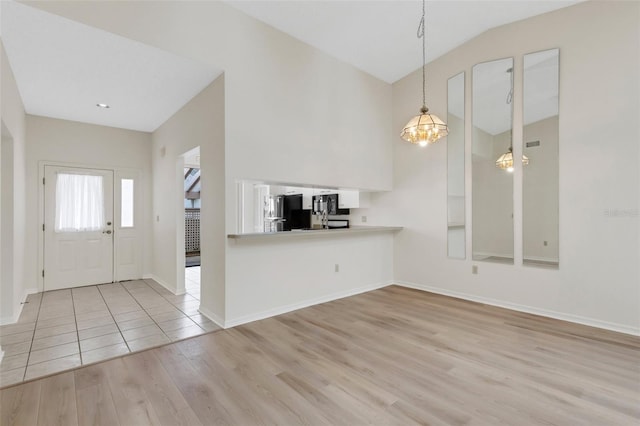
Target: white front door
78	227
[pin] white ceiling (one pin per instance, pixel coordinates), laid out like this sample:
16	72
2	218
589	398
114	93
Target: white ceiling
379	36
64	68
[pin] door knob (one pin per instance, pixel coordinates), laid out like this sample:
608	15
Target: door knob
108	231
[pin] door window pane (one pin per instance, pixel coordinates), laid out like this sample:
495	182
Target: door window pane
126	205
79	203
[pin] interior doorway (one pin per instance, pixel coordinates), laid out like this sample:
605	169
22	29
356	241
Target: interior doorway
8	296
192	204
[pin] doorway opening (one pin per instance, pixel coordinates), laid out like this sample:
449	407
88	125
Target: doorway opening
8	293
192	204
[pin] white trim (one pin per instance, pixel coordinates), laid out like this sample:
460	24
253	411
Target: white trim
213	317
490	254
303	304
162	283
592	322
41	206
539	259
14	319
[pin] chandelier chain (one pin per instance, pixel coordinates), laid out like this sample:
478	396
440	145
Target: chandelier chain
422	34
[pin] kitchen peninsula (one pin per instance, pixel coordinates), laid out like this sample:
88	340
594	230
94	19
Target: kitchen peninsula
316	232
316	255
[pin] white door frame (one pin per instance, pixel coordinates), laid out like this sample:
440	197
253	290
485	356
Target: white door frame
118	172
180	227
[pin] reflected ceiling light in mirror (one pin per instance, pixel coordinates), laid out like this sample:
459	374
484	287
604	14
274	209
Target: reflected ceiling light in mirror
505	161
425	128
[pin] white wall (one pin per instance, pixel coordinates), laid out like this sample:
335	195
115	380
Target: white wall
13	288
540	191
6	225
200	123
283	97
70	142
272	275
598	280
291	114
492	203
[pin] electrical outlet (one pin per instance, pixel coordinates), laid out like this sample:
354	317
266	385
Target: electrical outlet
474	269
364	219
157	218
337	267
546	244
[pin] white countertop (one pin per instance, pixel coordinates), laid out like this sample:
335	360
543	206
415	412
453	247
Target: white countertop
317	232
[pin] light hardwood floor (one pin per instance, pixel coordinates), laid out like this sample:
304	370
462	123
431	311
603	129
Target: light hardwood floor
391	356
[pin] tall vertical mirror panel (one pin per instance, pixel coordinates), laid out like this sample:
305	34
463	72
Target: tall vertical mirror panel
455	168
540	176
492	178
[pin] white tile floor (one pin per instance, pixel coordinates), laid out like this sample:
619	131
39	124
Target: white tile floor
192	281
63	329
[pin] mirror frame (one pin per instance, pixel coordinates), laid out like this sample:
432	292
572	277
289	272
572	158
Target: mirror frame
454	137
532	262
474	224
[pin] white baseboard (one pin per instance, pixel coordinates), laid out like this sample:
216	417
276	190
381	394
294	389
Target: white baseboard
7	320
16	315
303	304
162	283
486	254
540	259
213	317
620	328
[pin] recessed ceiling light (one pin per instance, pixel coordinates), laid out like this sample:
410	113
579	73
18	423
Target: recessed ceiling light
103	106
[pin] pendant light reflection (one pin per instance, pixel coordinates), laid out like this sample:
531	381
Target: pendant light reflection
505	161
425	128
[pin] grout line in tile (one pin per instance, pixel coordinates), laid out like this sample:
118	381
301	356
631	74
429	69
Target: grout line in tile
33	336
76	323
142	307
198	299
125	291
112	317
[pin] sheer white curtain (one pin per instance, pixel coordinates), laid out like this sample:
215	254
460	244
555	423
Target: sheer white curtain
79	203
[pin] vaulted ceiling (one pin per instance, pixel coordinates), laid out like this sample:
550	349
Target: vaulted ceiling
64	69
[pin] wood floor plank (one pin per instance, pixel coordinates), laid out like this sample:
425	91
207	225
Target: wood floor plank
93	396
133	406
19	404
58	401
206	397
263	388
393	356
171	407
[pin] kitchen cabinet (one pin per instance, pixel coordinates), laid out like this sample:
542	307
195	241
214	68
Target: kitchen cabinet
307	198
277	189
349	199
292	190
